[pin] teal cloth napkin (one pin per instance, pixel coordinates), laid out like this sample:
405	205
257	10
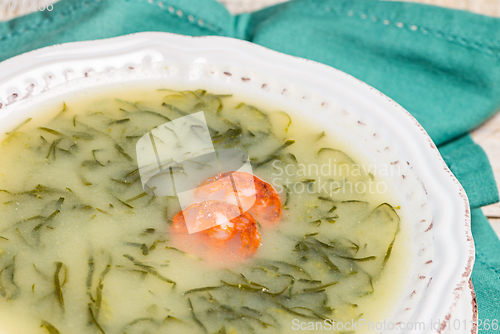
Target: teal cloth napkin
442	65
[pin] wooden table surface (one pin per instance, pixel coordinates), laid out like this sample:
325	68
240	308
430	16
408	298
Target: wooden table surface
487	135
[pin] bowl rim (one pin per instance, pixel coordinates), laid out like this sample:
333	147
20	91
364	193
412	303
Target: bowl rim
15	71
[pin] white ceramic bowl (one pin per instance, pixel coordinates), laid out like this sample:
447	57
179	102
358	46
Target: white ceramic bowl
434	205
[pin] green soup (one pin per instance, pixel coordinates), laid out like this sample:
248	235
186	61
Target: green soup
85	250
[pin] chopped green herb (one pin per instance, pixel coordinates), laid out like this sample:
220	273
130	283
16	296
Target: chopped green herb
52	149
120	121
85	182
155	114
121	201
203	289
46	220
90	276
57	284
322	134
19	126
52	131
149	269
319	288
195	318
100	287
94	320
97	161
289	120
275	154
83	136
288	193
51	329
318	315
171	318
149	192
122	152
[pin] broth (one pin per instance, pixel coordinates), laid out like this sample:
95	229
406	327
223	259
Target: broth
85	250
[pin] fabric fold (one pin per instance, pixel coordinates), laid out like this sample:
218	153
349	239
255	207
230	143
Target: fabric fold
79	20
470	165
486	273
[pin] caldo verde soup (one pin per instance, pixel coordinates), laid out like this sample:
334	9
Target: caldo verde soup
85	249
